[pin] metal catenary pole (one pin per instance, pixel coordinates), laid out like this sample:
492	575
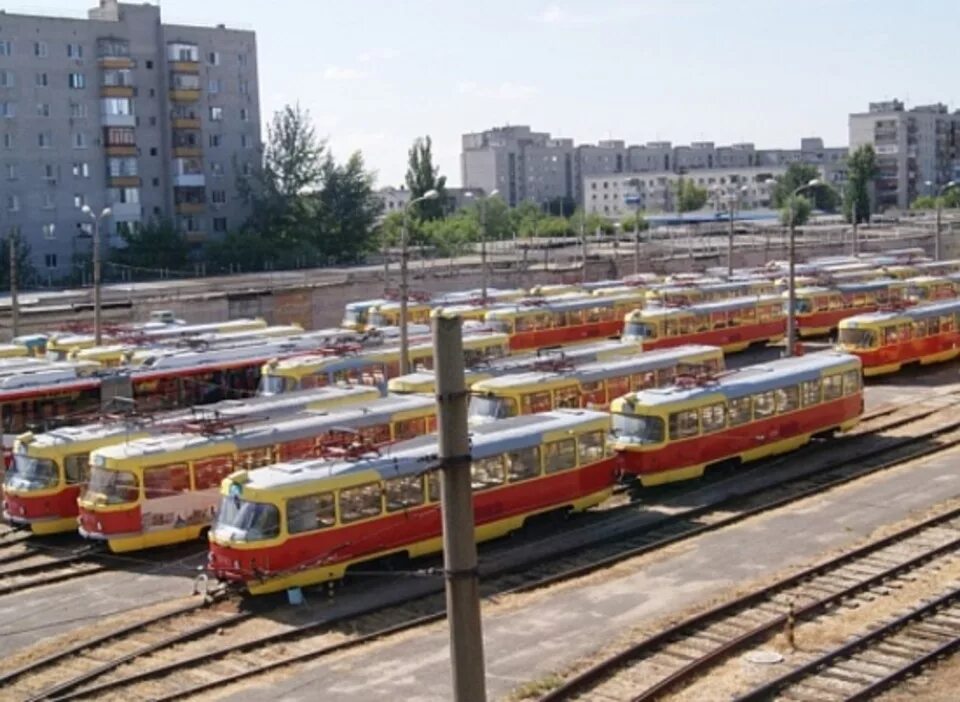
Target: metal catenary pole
459	545
14	303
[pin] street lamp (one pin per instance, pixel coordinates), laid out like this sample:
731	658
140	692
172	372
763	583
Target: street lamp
943	189
482	204
791	277
97	327
734	198
404	254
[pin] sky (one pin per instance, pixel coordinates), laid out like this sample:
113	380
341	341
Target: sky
376	74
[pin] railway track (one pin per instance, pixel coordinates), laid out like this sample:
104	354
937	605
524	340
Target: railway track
391	605
45	569
664	661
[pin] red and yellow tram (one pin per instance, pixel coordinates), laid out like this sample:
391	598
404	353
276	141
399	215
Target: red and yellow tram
886	341
672	434
732	325
297	524
820	309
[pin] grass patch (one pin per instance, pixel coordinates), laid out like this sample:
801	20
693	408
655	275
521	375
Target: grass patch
536	688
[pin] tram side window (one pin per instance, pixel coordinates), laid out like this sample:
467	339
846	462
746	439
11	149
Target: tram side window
713	417
377	434
164	481
255	458
933	326
739	411
684	424
566	397
670	327
403	492
764	404
560	455
361	502
748	315
617	387
575	318
787	399
593	394
409	428
851	382
77	468
810	392
433	486
310	512
523	464
536	402
832	387
642	381
591	447
946	324
835	302
665	376
487	472
889	335
210	472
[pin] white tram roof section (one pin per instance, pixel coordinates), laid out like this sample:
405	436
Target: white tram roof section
257	434
577	301
52	374
750	379
257	409
420	454
933	309
734	303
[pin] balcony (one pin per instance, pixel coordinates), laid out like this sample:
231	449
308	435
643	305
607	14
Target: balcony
108	62
186	122
122	91
185	95
185	66
196	237
125	211
189	180
121	150
118	120
123	181
190	208
187	152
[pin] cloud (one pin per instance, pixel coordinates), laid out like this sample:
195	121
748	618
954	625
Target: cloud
507	90
554	14
342	73
378	54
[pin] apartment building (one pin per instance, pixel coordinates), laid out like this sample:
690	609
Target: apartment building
528	165
396	199
120	110
914	147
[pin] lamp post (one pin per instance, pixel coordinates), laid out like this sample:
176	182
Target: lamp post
636	183
791	277
482	204
733	199
97	327
404	255
940	192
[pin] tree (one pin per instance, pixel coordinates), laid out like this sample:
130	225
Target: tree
861	172
562	206
292	165
526	218
346	210
156	245
629	223
799	212
496	214
824	197
26	273
690	197
422	177
949	200
924	202
590	223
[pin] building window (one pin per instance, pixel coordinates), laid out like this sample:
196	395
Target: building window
122	167
156	182
122	77
75	51
244	114
46	202
116	107
129	196
244	87
44	140
113	47
7	138
50	260
183	52
244	141
40	49
81	169
153	121
245	169
11	171
216	168
78	110
49	172
43	109
77	81
41	80
6	79
13	202
8	110
218	197
186	81
213	86
6	47
216	114
149	65
153	150
213	58
219	224
79	140
214	140
79	200
48	231
120	136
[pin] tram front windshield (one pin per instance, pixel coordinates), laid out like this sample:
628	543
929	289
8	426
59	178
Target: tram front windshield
112	487
29	473
352	317
275	384
803	305
492	407
241	520
638	428
858	338
500	326
640	330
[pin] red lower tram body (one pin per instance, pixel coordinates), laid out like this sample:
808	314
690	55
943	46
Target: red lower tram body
44	512
730	339
539	338
929	349
326	554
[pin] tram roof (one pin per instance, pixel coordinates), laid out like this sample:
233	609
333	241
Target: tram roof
420	454
934	309
750	379
579	302
733	303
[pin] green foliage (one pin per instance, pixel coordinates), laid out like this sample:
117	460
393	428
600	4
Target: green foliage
423	176
560	206
690	197
591	223
156	245
797	208
924	202
824	197
861	172
525	219
452	236
346	211
496	214
554	227
26	273
949	200
630	221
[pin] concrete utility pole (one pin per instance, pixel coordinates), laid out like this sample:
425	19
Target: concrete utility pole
940	193
791	277
404	292
456	500
635	182
482	204
97	325
14	304
583	244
